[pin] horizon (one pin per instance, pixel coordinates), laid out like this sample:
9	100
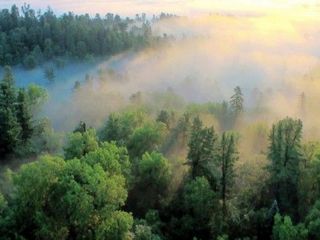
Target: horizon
178	7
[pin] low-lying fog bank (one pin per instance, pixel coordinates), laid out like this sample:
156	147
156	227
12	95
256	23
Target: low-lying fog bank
273	58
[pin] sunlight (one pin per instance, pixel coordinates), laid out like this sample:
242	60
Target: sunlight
159	119
181	7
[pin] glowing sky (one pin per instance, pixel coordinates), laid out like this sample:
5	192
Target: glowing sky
185	7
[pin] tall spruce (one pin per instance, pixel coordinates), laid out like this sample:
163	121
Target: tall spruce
202	152
236	101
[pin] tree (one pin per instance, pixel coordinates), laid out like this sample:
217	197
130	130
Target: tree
228	155
179	135
120	127
202	152
81	143
48	48
165	118
285	156
36	97
199	202
146	139
111	158
81	49
9	126
309	178
152	178
57	199
312	221
29	37
24	116
283	229
144	232
29	62
236	102
45	139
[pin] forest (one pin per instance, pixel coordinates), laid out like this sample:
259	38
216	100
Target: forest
115	156
31	37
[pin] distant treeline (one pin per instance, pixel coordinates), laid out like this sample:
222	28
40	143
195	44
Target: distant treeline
30	37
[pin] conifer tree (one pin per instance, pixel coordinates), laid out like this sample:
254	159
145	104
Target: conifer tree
202	152
24	115
228	156
9	126
236	101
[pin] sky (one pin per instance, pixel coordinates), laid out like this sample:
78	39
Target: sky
180	7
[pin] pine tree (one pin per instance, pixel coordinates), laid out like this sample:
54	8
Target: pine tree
228	156
202	152
9	126
24	115
285	156
236	101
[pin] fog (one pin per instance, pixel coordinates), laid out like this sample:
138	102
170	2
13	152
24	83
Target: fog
273	55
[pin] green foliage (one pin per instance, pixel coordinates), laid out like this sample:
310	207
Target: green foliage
79	144
178	136
146	138
111	158
45	139
284	229
152	178
199	203
236	101
144	232
30	62
10	128
89	194
202	157
223	237
312	221
154	168
35	37
69	199
227	157
165	117
36	97
3	204
24	115
285	156
152	218
198	198
120	127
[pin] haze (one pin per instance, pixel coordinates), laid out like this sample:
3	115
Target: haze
162	120
182	7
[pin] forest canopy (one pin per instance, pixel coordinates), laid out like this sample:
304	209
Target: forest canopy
31	37
143	161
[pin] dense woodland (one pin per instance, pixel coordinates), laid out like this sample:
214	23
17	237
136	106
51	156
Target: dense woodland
158	169
30	37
